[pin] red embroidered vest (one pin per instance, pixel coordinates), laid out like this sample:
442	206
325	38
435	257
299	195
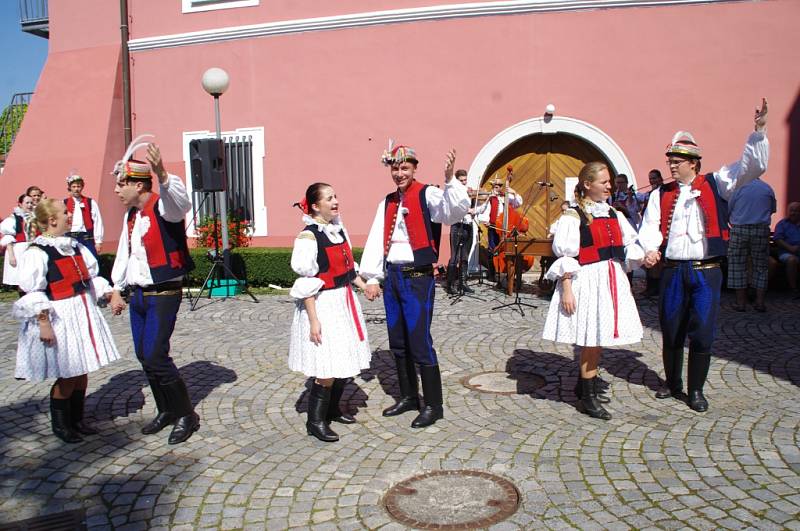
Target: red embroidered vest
714	208
335	260
601	240
423	234
67	276
86	212
164	242
493	209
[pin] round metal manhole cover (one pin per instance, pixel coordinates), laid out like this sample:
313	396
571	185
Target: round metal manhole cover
452	499
503	383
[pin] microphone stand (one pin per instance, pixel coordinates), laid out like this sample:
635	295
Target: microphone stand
460	294
516	304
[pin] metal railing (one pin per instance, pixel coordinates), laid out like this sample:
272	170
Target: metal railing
10	122
34	17
239	166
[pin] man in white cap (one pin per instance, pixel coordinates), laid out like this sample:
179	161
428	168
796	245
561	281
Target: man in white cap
686	227
402	246
87	224
151	261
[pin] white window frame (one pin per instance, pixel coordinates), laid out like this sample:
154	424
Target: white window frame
259	208
196	6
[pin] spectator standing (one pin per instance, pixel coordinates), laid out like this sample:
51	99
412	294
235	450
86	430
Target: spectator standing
750	209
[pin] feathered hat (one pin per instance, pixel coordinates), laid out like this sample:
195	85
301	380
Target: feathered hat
127	168
684	145
397	154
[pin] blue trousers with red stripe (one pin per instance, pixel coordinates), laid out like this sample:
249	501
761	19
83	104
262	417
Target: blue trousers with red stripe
408	301
152	323
689	306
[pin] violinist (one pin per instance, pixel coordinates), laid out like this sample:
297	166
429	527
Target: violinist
460	243
627	200
490	210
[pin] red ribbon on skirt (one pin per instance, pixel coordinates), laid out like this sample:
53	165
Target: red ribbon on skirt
351	304
612	280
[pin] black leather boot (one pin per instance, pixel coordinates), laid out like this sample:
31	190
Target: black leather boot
76	402
462	279
334	413
601	397
432	392
187	421
164	417
673	370
407	380
699	363
589	402
61	422
318	400
451	277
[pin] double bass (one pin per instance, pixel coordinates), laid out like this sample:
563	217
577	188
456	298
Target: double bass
513	223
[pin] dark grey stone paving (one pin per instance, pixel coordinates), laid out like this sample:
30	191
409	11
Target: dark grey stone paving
657	464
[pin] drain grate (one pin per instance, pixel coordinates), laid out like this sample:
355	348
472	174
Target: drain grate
452	499
65	521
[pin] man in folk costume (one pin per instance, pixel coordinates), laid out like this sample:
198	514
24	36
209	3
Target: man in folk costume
151	262
401	249
686	225
87	224
488	213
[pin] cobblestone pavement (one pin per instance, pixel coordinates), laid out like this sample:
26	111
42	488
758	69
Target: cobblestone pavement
656	464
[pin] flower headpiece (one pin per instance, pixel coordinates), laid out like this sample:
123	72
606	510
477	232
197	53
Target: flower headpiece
73	177
684	145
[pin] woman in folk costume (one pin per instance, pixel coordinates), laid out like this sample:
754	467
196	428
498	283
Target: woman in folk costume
63	335
593	306
17	230
328	340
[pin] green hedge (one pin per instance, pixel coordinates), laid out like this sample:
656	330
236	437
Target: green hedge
261	266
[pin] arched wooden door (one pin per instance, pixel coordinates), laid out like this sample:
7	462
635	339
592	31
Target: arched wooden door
546	159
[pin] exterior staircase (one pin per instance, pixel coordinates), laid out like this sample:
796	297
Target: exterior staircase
34	18
10	122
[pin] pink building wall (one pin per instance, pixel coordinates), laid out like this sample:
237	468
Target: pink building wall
329	100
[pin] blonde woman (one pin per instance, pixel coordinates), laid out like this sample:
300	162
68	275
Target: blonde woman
592	305
63	335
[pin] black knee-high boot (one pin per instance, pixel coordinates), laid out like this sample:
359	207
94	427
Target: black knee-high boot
60	420
699	363
589	402
164	417
187	421
335	413
76	401
407	380
451	278
673	374
318	400
601	397
432	392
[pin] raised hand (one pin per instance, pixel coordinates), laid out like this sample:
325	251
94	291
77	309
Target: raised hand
450	162
156	164
760	118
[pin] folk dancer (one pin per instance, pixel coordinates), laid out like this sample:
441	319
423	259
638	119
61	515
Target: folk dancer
592	305
328	339
151	262
402	246
686	224
87	225
63	334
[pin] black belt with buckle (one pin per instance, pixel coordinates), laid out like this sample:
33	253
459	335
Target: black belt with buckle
412	271
77	234
163	289
708	263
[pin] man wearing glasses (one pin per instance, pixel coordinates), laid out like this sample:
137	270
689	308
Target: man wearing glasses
686	227
488	213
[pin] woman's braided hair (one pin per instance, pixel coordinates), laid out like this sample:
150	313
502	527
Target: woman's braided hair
588	173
